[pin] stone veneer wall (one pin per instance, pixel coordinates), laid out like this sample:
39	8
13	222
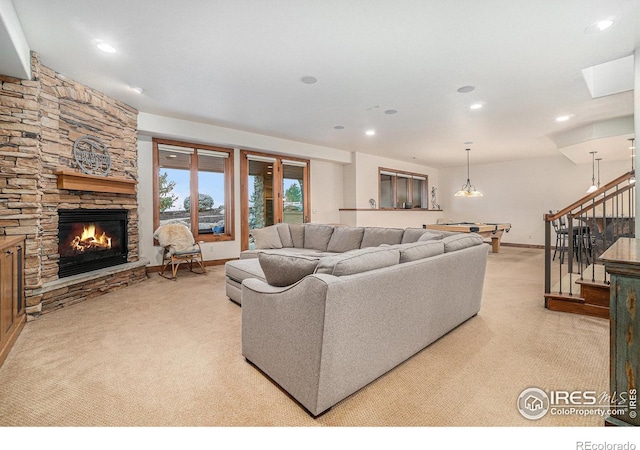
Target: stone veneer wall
41	119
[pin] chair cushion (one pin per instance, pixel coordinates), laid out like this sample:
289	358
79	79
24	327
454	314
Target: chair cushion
195	250
317	236
284	270
361	260
344	239
374	236
267	237
460	241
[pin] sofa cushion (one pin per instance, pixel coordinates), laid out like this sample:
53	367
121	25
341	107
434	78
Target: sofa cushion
412	235
361	260
267	237
297	234
284	270
461	240
374	236
431	236
317	236
420	250
344	239
285	234
242	269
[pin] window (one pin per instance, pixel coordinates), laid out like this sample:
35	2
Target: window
186	172
274	189
402	189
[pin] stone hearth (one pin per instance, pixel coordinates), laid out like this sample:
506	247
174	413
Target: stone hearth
42	118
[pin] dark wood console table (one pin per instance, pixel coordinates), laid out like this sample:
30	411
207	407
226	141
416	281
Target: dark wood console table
622	262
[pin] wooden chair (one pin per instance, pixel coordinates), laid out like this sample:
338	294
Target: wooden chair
178	246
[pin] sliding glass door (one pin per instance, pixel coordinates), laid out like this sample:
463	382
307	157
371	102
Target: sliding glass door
273	190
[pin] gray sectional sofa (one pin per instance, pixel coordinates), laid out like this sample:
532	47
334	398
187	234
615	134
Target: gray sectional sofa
323	323
315	241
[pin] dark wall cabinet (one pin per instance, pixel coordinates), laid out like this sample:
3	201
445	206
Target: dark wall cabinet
12	307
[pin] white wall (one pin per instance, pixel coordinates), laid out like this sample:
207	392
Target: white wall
326	191
367	178
326	175
521	192
361	184
636	115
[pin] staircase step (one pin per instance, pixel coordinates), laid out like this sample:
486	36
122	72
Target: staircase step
576	305
595	293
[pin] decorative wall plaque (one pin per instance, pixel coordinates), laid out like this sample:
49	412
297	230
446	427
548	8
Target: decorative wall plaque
92	155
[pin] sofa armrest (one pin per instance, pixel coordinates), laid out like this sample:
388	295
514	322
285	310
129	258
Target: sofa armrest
282	333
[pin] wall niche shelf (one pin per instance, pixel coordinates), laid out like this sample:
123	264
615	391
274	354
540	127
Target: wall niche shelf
390	209
83	182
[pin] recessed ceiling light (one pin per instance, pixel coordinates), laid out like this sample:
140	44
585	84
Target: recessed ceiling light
563	118
104	46
465	89
391	111
137	90
309	80
600	25
476	106
370	132
339	127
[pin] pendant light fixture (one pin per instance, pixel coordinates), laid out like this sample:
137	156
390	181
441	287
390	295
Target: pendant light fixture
598	160
468	190
593	187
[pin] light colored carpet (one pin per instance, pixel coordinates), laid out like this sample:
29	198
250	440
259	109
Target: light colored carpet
165	353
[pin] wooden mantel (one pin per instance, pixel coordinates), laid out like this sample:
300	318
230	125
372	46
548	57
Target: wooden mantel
83	182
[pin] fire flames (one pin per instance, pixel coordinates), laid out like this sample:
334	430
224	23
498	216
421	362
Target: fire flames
88	240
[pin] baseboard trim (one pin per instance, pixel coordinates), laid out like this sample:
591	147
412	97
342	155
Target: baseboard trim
207	263
509	244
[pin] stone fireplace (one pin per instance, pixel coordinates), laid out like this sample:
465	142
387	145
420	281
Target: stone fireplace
43	189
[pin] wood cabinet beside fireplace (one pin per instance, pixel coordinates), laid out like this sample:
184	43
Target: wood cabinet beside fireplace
12	306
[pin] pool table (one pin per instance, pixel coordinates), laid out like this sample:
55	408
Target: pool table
488	230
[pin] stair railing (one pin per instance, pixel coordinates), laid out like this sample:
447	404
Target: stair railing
584	230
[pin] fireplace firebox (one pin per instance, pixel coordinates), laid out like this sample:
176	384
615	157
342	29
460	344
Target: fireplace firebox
91	239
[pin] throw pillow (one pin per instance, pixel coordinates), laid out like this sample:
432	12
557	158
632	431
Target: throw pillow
297	234
285	234
374	236
460	241
420	250
357	261
430	236
267	237
284	270
412	235
317	236
344	239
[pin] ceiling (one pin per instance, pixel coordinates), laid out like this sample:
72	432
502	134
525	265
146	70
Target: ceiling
239	64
